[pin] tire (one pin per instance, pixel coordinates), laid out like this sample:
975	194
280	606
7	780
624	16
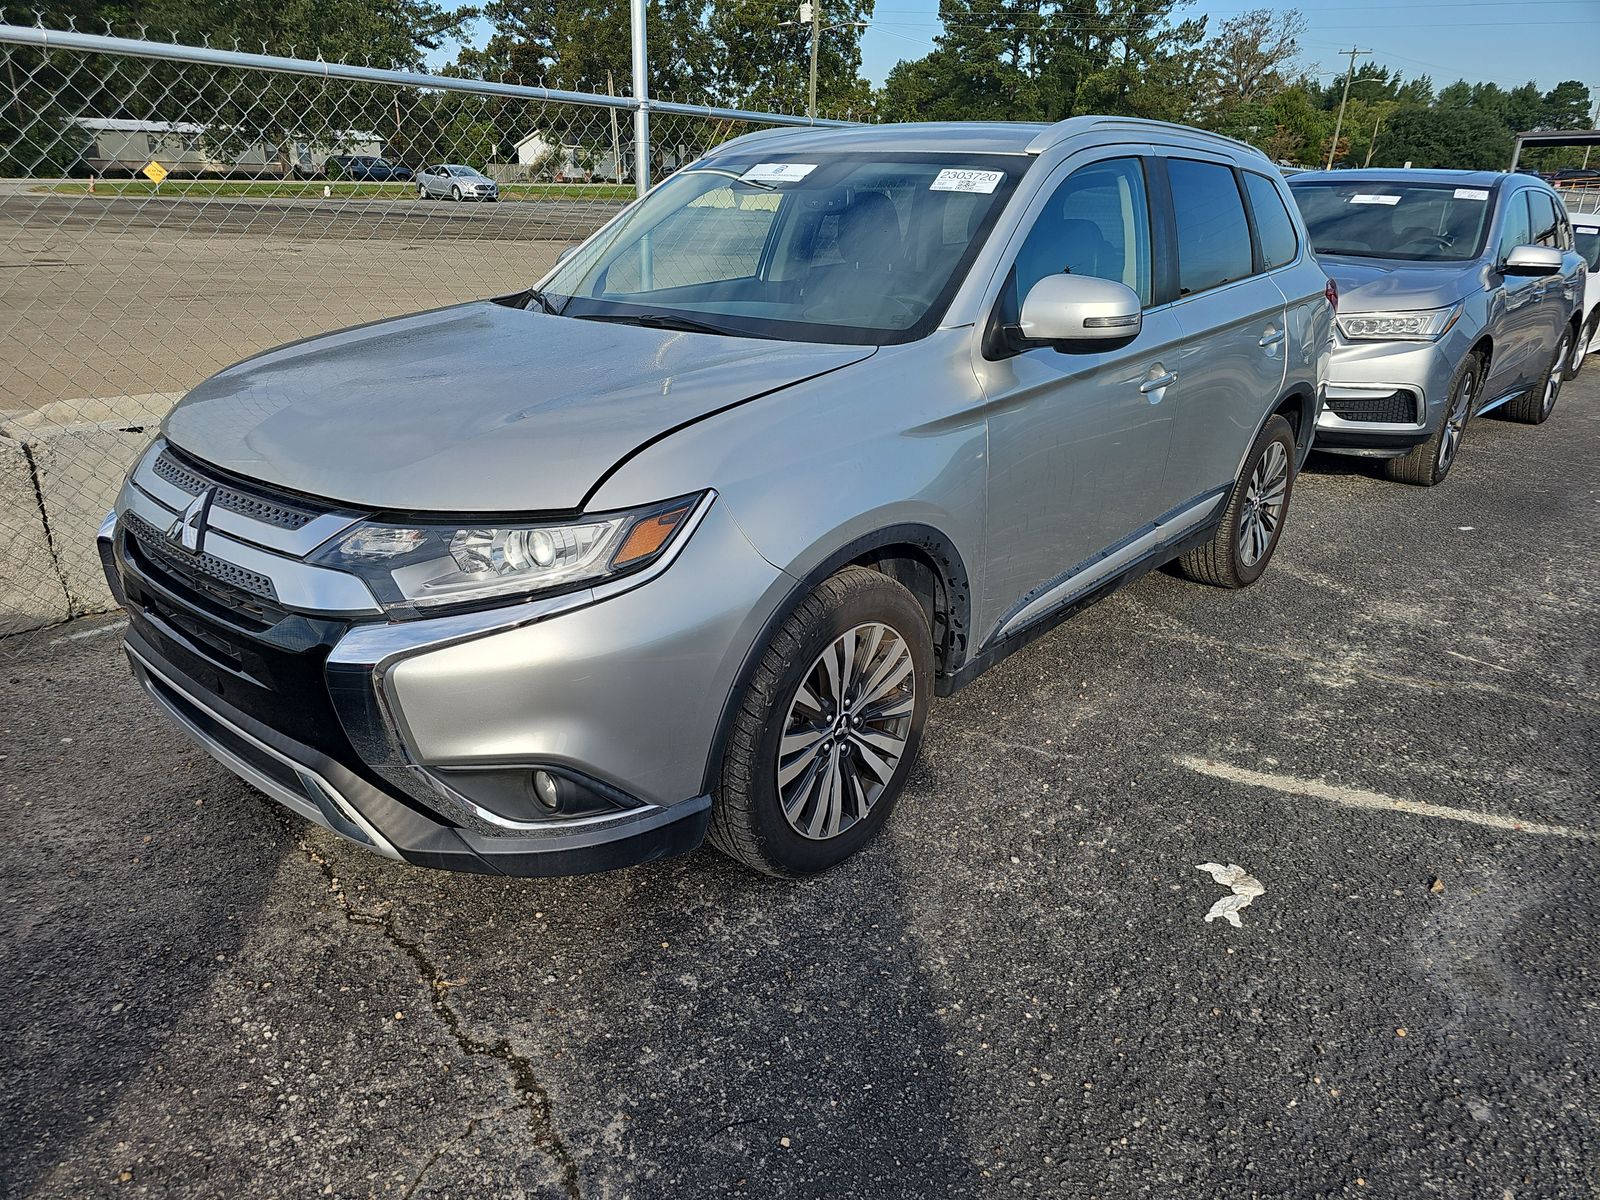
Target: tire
422	192
455	194
1580	348
1535	406
1251	523
1428	464
885	626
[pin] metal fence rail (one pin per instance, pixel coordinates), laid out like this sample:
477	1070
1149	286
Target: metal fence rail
167	209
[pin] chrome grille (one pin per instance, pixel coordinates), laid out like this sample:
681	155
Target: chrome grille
267	510
1397	408
188	566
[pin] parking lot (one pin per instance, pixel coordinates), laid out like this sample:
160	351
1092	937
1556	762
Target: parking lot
1013	993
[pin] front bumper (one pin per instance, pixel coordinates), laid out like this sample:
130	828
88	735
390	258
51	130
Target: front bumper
1384	397
394	734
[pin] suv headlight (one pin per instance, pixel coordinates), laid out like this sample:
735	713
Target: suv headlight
423	564
1424	325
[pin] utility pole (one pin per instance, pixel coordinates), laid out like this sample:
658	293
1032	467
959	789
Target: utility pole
1373	144
1594	124
641	103
816	36
1338	126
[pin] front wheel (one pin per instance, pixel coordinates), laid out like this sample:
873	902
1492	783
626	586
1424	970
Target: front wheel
1580	347
827	729
1535	406
1239	552
1428	464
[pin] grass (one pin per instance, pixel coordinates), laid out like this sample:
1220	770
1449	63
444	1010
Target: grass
276	189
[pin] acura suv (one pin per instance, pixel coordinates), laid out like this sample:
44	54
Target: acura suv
1459	293
689	536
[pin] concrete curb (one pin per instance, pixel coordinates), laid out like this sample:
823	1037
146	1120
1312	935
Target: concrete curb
60	469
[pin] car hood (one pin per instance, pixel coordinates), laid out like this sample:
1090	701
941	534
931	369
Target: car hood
1391	285
476	408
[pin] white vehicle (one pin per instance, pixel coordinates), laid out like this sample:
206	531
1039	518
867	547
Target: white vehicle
1586	236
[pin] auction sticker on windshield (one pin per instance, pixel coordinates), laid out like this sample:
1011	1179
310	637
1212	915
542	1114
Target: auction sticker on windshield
778	172
953	180
1360	199
1472	193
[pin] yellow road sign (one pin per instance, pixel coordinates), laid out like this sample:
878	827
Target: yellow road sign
155	172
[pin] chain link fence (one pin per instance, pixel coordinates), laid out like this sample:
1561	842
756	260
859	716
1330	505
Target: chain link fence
167	210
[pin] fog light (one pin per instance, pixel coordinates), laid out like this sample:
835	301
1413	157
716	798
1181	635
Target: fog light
545	789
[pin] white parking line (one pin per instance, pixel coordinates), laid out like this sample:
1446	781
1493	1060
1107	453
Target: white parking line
1360	798
114	627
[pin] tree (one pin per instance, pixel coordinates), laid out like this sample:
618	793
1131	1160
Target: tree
1567	106
1435	137
1249	56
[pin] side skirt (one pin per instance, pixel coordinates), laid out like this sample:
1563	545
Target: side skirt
1008	645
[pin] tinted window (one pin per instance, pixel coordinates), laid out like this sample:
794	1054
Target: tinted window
1097	223
1213	236
1274	226
1517	229
1588	241
1377	218
1546	226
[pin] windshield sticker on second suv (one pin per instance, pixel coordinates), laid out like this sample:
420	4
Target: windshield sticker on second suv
952	180
1472	193
778	172
1363	199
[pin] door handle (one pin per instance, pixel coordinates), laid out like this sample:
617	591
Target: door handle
1271	338
1157	382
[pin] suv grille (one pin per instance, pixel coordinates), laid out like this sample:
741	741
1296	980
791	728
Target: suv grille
271	510
1398	408
201	572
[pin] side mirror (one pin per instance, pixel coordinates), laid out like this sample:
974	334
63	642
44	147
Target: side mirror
1080	312
1532	260
565	254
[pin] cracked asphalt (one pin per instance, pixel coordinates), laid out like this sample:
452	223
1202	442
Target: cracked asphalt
1014	993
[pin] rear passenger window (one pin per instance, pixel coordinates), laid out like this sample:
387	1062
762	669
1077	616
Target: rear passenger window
1274	226
1213	235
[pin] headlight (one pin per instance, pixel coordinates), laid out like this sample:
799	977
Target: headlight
1425	325
423	564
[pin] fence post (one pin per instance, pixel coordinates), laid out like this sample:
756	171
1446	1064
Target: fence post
641	99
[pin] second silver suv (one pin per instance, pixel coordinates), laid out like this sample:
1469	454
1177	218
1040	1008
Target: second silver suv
1459	293
689	537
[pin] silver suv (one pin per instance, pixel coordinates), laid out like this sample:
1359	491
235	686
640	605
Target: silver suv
690	535
1459	293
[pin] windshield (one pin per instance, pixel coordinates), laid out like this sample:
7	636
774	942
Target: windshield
856	249
463	171
1379	219
1588	245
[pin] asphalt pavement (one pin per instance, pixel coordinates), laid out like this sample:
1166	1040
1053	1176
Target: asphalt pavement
1013	993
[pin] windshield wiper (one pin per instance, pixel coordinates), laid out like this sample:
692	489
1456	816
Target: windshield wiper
535	296
657	320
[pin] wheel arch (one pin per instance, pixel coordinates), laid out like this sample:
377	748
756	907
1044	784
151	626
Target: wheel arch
921	558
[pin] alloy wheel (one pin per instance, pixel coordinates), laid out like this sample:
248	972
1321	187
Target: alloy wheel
1265	497
1455	422
846	731
1558	372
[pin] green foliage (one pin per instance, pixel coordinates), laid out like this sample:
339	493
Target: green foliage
1444	137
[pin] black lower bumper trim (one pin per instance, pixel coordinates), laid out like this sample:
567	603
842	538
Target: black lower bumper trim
1355	439
649	834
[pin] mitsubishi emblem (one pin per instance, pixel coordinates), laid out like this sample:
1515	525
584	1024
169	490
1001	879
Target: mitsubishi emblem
189	530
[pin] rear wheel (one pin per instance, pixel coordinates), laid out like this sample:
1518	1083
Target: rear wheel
455	194
827	729
1428	464
1248	534
1535	406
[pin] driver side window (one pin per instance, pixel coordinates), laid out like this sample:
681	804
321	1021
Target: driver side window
1517	230
1097	223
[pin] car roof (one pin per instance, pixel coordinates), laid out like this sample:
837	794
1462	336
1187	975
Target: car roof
1404	175
971	137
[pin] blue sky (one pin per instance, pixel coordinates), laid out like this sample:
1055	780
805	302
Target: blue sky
1478	40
